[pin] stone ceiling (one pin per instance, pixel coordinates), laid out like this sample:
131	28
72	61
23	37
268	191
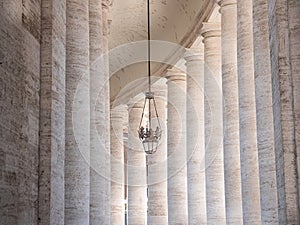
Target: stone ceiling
174	26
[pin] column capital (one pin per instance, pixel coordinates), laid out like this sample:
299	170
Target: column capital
223	3
119	112
135	105
210	29
194	54
160	88
175	74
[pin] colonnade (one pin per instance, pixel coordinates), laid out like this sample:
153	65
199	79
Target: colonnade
231	123
74	163
230	150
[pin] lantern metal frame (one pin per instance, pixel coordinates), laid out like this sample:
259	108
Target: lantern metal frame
149	136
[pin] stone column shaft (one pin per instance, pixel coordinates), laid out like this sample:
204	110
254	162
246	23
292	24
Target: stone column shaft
97	107
77	175
177	173
264	113
118	118
106	4
285	146
136	167
232	167
20	105
294	34
247	115
214	162
52	114
157	165
195	135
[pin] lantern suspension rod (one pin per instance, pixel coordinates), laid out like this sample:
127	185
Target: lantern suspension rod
149	38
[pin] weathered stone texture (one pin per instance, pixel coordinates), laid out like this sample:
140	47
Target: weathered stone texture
177	168
31	17
213	114
136	170
195	135
118	117
52	114
19	107
157	165
247	115
98	119
294	41
231	142
264	113
283	109
106	84
77	171
54	106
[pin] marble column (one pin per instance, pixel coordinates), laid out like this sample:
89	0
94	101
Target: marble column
177	171
136	167
294	33
264	114
284	121
247	115
52	113
97	112
77	172
232	167
195	135
214	161
106	4
118	117
157	164
20	85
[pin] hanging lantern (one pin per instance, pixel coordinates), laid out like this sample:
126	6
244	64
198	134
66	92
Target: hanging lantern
149	128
